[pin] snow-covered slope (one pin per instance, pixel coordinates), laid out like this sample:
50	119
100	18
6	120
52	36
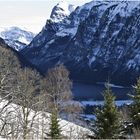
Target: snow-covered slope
97	40
38	123
16	38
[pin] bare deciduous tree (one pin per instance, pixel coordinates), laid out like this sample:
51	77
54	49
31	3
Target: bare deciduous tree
27	97
8	67
57	88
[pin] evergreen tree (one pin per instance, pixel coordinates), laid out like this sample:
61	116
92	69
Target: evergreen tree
54	127
107	123
135	107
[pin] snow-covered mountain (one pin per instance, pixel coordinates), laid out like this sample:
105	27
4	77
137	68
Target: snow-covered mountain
97	41
16	38
61	11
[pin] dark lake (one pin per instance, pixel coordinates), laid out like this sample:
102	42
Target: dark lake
94	92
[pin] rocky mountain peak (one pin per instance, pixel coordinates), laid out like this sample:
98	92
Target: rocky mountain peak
61	11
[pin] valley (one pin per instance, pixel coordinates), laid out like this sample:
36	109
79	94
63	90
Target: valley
57	78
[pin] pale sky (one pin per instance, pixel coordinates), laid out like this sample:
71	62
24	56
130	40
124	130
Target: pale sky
30	14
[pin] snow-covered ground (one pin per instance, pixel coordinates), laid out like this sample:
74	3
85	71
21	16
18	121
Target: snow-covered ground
96	103
41	123
90	117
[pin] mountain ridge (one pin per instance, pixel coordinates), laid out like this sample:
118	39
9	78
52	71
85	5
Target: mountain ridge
97	41
16	37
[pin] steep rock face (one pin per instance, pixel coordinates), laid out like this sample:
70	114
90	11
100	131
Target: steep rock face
97	41
61	11
16	37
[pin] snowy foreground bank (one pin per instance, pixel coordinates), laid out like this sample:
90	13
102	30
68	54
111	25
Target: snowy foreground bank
12	118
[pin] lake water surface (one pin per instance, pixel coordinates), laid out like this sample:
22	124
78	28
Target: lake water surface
88	92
